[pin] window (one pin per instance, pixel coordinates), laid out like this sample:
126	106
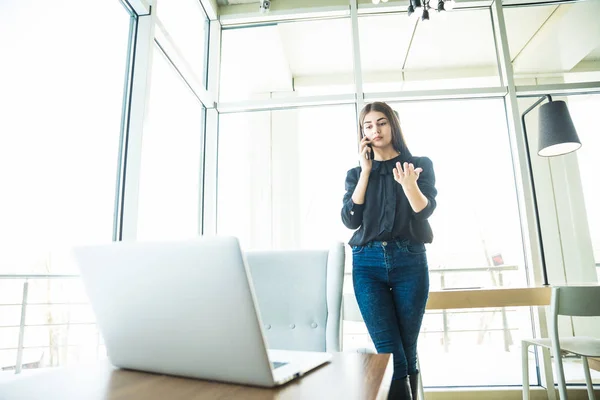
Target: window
171	157
453	50
281	176
187	24
287	59
484	231
541	42
477	242
62	97
274	193
583	110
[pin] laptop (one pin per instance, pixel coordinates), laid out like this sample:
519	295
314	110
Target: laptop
185	308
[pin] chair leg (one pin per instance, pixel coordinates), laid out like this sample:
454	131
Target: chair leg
560	373
547	360
588	378
525	368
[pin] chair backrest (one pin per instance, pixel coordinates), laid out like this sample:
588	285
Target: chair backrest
576	301
299	296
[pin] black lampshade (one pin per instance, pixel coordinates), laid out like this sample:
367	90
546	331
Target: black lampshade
557	132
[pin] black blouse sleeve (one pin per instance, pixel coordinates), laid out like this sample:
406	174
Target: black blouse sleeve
426	183
352	214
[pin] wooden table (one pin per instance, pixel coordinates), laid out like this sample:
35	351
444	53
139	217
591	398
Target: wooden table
348	376
489	297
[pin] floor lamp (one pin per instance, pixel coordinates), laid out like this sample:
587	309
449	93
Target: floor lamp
557	136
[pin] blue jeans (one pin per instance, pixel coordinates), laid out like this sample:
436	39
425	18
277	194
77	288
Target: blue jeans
391	284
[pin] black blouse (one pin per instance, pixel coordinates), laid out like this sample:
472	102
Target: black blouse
386	212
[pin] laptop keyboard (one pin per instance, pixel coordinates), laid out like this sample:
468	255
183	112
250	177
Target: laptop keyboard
275	364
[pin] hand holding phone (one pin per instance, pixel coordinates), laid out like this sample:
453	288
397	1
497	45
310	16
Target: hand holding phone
366	154
370	152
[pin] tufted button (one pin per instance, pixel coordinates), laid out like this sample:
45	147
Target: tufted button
267	326
384	243
292	326
313	325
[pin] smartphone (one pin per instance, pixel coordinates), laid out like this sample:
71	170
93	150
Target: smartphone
370	152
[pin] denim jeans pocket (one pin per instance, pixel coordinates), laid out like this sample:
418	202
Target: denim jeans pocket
357	249
416	248
411	248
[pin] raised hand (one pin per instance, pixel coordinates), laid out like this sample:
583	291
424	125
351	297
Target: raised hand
408	175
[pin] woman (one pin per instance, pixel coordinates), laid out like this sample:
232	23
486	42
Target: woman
389	198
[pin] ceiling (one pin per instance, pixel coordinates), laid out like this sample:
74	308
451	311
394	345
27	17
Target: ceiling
594	55
542	39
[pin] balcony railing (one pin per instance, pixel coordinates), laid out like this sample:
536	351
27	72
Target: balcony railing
25	306
496	279
350	310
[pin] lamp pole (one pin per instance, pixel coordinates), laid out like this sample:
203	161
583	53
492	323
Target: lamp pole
535	203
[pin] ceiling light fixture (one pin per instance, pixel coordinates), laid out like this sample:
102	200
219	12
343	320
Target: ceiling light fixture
420	9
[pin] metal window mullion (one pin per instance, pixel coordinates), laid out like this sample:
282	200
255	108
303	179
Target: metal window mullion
441	94
125	119
139	7
519	159
302	14
211	161
211	131
311	101
285	103
132	140
559	89
175	57
214	61
358	82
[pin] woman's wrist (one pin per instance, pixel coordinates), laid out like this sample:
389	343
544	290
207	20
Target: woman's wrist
411	187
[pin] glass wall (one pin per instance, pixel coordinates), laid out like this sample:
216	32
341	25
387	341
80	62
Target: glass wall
62	80
170	178
583	110
281	176
280	170
187	25
478	231
280	185
554	43
484	231
402	53
287	59
477	242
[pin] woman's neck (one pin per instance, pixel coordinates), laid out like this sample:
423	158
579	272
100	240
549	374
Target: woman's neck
386	153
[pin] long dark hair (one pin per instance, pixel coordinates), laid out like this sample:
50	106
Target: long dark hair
398	141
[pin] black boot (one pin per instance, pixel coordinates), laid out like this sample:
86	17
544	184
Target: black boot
400	390
414	385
